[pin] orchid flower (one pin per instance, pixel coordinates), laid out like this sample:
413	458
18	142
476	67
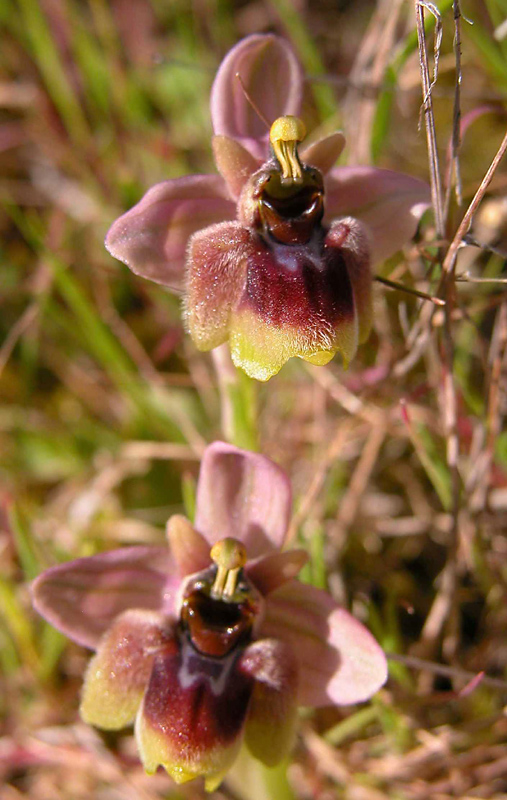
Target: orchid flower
275	253
212	640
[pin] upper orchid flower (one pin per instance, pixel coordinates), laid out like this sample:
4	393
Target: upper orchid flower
289	271
214	639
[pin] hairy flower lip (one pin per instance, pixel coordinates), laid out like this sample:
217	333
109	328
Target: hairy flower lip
193	712
284	300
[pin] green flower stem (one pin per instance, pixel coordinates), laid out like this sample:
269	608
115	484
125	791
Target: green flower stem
275	780
249	779
238	400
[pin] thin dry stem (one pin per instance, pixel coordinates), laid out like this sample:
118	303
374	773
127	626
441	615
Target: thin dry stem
366	78
408	290
479	477
456	243
357	485
160	450
312	492
427	86
454	165
447	671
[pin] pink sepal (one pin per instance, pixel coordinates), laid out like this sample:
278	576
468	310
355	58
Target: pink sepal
244	495
82	598
273	78
339	660
390	204
152	237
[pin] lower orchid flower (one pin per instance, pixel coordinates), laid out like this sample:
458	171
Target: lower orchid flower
212	641
275	254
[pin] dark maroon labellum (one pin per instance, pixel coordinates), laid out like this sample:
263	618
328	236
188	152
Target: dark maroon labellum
198	702
306	287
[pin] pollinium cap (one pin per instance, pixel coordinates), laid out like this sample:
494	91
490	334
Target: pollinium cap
228	553
284	136
287	129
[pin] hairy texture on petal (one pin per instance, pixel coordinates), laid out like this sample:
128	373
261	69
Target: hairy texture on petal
324	153
215	280
275	301
271	571
152	237
389	203
190	550
350	238
243	495
118	674
272	77
81	598
234	163
193	713
339	660
298	301
271	724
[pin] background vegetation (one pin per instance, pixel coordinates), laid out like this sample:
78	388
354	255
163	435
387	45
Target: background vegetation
399	465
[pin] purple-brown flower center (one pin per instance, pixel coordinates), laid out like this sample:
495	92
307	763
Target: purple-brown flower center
289	213
215	627
219	606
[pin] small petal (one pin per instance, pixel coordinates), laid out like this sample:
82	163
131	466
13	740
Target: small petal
271	725
242	495
192	717
152	237
324	153
118	674
215	281
81	598
390	204
339	660
271	571
272	76
190	550
349	237
234	163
